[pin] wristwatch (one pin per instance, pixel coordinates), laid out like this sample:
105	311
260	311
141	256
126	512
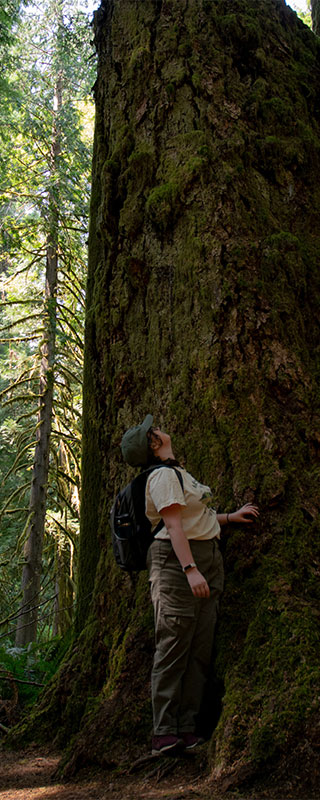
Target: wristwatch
188	566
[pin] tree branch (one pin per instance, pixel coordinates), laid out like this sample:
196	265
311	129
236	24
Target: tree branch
24	338
9	677
17	383
20	489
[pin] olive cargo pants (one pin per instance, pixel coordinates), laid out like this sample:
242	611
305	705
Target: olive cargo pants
184	632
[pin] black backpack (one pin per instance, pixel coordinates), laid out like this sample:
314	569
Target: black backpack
131	534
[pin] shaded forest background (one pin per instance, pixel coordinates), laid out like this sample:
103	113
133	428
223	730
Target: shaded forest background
202	307
45	164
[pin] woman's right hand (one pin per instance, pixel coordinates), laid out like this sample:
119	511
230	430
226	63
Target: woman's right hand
197	583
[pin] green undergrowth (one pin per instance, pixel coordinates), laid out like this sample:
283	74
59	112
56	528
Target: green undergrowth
97	659
24	671
60	701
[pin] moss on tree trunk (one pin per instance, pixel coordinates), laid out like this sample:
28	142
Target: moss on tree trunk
203	309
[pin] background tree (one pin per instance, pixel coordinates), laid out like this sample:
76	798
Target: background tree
9	14
45	191
315	13
203	292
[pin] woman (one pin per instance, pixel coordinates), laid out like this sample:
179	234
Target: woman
186	579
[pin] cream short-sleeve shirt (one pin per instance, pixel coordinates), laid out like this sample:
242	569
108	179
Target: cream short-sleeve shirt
163	489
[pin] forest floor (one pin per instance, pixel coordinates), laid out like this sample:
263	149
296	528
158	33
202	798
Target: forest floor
31	775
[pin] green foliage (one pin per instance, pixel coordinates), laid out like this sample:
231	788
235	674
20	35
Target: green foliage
29	669
42	197
9	14
305	16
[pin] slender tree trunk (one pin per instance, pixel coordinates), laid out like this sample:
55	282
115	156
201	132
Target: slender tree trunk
64	552
315	14
31	576
64	591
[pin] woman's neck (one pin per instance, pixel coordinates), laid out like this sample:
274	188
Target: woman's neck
165	452
172	461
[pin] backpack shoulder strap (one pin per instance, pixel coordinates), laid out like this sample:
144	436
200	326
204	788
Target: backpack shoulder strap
167	466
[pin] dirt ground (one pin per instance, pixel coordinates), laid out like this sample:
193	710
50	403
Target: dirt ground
31	775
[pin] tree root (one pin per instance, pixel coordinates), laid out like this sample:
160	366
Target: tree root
159	766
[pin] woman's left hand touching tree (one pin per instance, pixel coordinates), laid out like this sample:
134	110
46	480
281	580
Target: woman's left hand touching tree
247	513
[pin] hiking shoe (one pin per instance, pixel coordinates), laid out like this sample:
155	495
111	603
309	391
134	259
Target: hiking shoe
166	743
191	740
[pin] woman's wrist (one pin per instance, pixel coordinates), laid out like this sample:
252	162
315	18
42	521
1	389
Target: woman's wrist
189	567
224	518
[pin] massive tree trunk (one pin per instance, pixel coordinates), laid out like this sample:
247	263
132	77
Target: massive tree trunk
202	308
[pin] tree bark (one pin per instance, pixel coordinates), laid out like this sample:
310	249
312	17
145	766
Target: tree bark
64	587
64	553
202	308
315	16
31	576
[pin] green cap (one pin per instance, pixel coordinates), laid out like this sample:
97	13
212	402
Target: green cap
134	444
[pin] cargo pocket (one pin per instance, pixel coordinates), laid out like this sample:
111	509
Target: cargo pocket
176	598
173	635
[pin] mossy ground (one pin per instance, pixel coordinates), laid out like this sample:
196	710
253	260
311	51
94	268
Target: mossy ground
203	297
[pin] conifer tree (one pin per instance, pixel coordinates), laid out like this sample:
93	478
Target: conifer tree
45	189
